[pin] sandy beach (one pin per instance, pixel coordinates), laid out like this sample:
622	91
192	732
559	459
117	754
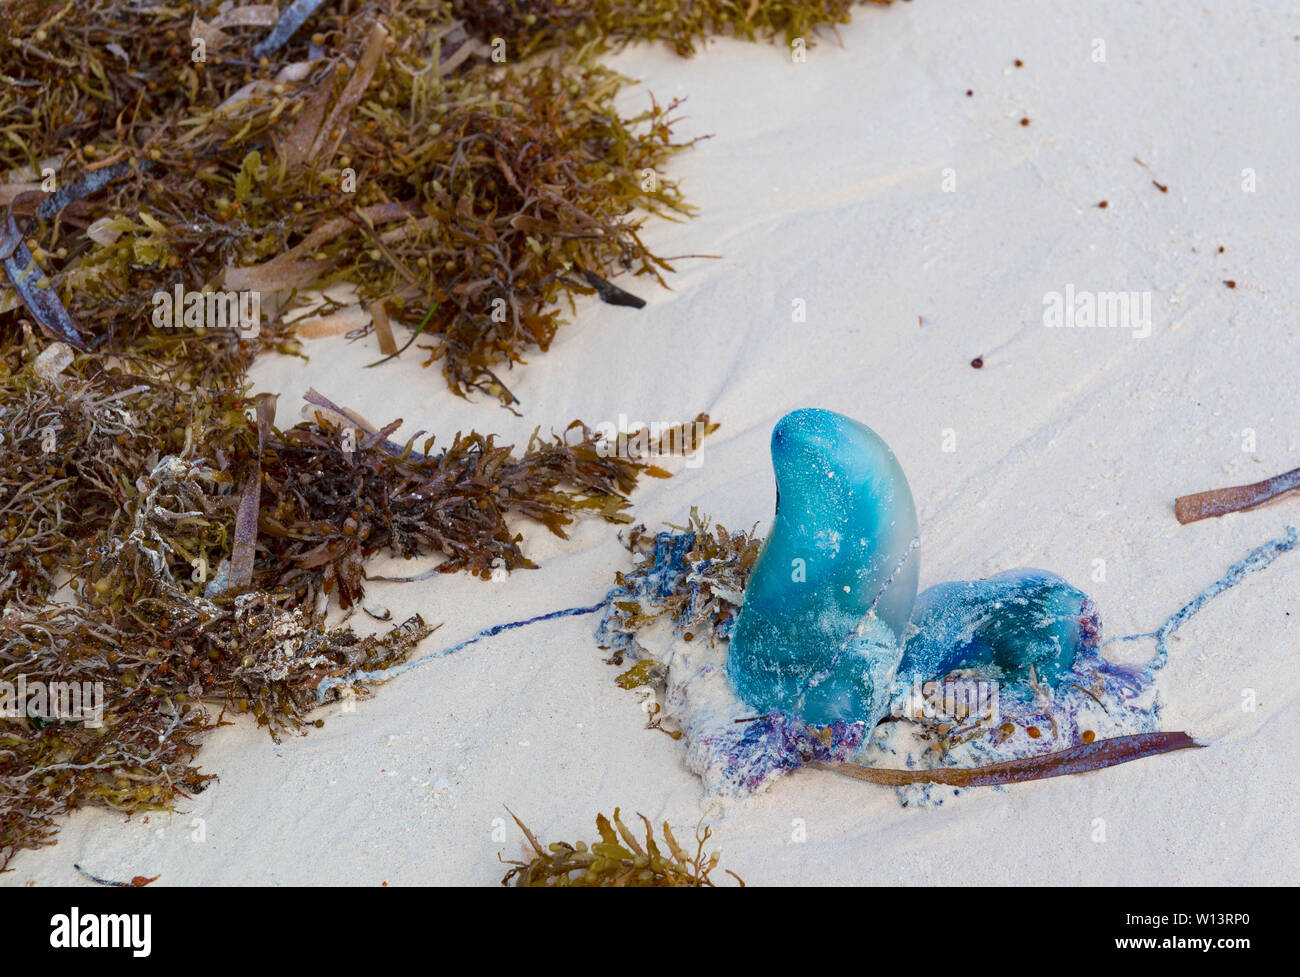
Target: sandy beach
896	206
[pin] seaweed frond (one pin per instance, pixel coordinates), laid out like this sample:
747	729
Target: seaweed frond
366	495
695	579
386	149
618	859
537	23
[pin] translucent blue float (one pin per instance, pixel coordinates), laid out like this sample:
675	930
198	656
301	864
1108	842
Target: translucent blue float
831	624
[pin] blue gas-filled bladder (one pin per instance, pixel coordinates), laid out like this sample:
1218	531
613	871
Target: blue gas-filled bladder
831	623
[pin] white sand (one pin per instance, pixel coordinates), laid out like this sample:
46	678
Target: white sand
823	182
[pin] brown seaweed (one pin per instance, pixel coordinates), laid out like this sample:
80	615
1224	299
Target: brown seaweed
618	860
386	150
395	147
131	491
367	495
534	24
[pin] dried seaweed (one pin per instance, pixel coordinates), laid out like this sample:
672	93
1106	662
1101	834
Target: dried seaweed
140	497
397	146
331	501
385	149
701	599
105	498
535	23
618	859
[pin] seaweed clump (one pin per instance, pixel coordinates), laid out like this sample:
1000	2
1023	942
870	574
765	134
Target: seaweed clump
462	194
362	498
617	860
165	556
694	579
462	165
111	652
681	26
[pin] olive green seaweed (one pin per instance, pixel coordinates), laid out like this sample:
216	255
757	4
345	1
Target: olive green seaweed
617	860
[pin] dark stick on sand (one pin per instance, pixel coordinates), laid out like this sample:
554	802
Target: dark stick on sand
1076	759
1218	502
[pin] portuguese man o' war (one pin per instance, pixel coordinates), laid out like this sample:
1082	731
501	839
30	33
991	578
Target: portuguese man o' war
812	641
830	596
1021	627
830	619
